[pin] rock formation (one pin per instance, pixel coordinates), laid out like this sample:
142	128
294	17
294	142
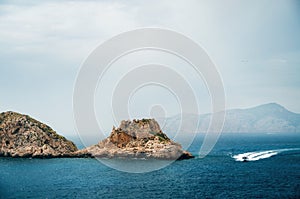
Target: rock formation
23	136
137	139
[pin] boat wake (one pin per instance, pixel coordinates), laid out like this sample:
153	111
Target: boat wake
258	155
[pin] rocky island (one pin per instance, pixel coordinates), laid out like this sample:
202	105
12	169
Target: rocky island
137	139
23	136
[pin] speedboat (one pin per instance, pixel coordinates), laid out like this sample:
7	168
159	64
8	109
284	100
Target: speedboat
245	159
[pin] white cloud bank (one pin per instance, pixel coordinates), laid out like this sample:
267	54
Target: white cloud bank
43	43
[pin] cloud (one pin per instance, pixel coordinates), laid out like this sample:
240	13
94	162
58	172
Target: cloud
43	43
277	61
67	30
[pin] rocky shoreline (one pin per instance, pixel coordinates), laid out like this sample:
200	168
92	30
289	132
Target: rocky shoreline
24	137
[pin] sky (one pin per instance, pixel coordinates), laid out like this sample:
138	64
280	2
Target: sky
255	46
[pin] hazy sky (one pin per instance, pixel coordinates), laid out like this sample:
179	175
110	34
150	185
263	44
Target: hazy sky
254	44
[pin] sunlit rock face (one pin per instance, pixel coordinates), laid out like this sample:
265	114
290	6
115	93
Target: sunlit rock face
137	139
23	136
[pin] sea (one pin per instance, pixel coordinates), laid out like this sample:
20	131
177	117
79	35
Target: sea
256	165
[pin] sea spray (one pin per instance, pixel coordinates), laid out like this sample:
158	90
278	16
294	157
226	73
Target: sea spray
258	155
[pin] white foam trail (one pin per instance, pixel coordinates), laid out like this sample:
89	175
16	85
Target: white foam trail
258	155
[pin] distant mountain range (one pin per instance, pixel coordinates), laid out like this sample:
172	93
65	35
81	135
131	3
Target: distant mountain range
266	118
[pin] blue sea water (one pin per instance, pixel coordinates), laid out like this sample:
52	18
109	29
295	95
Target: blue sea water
218	175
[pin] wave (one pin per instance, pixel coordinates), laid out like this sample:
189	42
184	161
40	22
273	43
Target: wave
258	155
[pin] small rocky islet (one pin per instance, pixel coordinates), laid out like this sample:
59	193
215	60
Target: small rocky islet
22	136
137	139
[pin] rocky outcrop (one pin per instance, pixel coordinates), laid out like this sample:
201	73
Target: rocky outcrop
23	136
137	139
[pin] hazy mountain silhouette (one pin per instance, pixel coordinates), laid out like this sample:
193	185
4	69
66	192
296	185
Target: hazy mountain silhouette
266	118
